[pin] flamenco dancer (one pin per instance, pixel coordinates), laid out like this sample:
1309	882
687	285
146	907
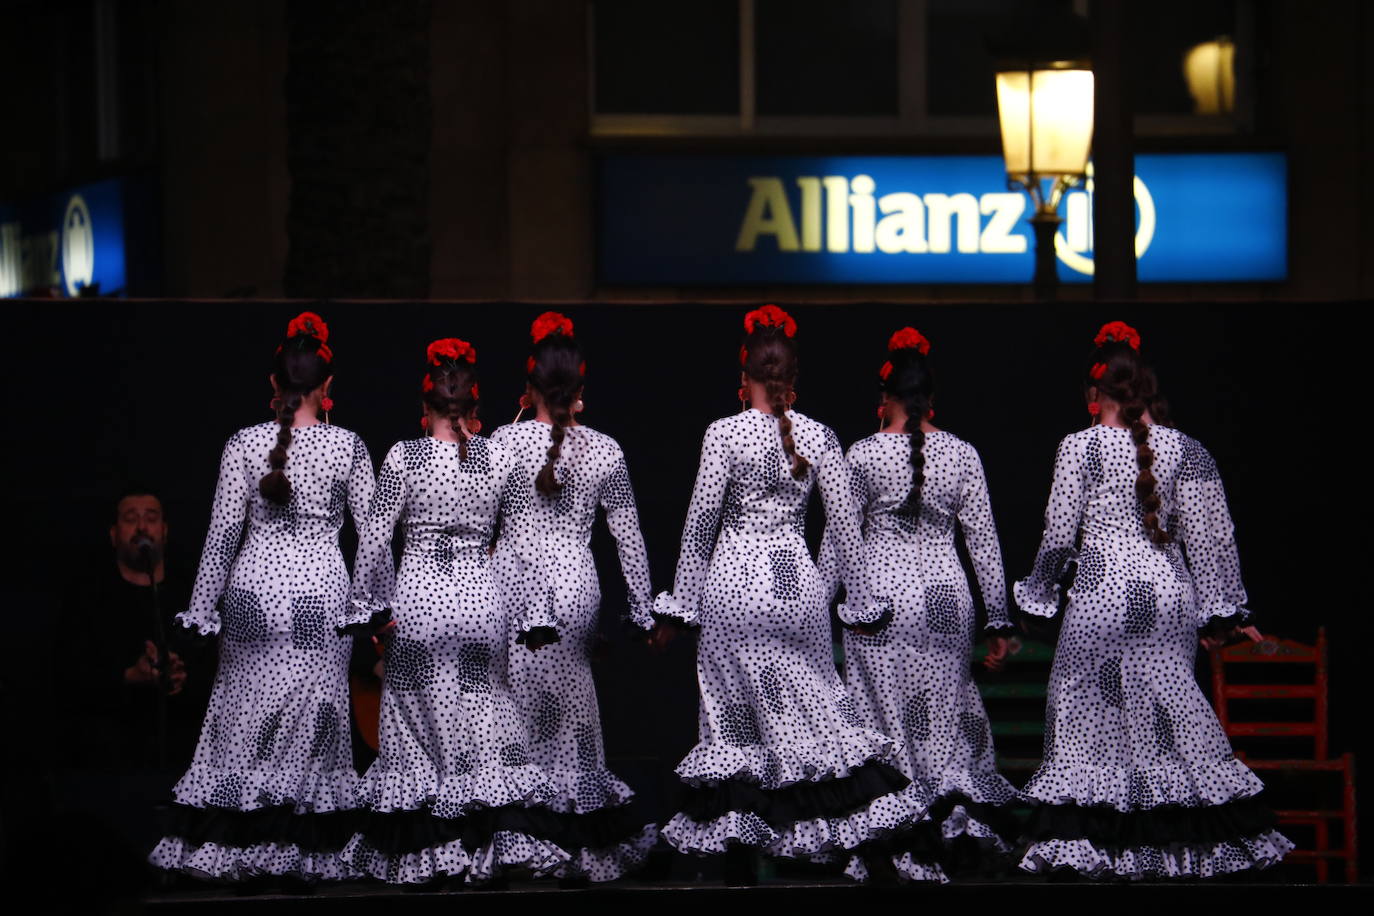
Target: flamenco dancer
271	788
911	680
783	765
1138	778
452	793
568	471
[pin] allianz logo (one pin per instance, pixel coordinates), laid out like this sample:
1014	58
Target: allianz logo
56	259
840	215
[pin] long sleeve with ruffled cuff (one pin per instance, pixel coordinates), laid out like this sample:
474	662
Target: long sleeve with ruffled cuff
682	604
228	517
827	561
842	546
1202	525
374	569
617	499
1038	593
984	550
535	618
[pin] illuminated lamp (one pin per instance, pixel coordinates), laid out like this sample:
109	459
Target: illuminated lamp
1045	109
1210	69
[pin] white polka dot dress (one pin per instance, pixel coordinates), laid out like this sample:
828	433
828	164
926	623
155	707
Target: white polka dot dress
912	680
453	792
1138	778
271	788
783	762
554	686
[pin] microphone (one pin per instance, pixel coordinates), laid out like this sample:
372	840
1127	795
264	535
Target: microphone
148	551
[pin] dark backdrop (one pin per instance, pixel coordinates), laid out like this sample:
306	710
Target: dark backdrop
99	393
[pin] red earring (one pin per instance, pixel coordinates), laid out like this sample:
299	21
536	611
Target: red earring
743	398
474	426
1094	408
525	404
930	414
424	423
327	403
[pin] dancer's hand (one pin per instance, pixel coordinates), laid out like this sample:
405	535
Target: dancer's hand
662	634
1216	642
539	637
998	647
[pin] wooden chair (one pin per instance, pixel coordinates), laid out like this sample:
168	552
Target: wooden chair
1276	651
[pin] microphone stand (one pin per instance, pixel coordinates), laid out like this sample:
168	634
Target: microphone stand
164	656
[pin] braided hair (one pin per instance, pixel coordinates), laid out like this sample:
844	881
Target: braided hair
769	355
906	378
556	369
450	387
1117	371
301	365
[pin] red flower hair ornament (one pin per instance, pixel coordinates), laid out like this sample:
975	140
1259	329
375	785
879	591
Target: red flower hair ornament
885	371
450	348
1118	332
550	323
770	316
427	385
909	339
309	326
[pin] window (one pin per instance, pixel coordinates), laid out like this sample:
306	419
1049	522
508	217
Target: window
878	67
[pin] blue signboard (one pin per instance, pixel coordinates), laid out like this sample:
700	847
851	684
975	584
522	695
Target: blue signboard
64	243
724	220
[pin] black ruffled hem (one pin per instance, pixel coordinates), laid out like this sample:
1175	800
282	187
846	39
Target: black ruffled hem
927	844
800	801
539	636
1106	827
370	626
403	832
999	629
312	832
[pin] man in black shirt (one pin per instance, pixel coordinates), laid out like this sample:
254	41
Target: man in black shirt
127	721
116	684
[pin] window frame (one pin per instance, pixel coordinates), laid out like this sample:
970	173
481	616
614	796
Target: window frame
913	118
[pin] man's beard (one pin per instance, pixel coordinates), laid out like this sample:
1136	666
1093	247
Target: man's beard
137	553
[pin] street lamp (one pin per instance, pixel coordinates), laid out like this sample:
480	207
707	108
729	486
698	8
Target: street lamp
1046	114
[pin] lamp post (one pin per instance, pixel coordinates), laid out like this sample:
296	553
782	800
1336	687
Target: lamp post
1045	109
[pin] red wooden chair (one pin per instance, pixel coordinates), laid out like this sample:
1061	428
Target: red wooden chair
1273	650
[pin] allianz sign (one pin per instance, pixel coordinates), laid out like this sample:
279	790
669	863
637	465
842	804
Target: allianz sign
908	219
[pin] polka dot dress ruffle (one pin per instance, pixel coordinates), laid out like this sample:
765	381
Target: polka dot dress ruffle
453	743
912	679
1130	739
782	763
275	744
554	686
